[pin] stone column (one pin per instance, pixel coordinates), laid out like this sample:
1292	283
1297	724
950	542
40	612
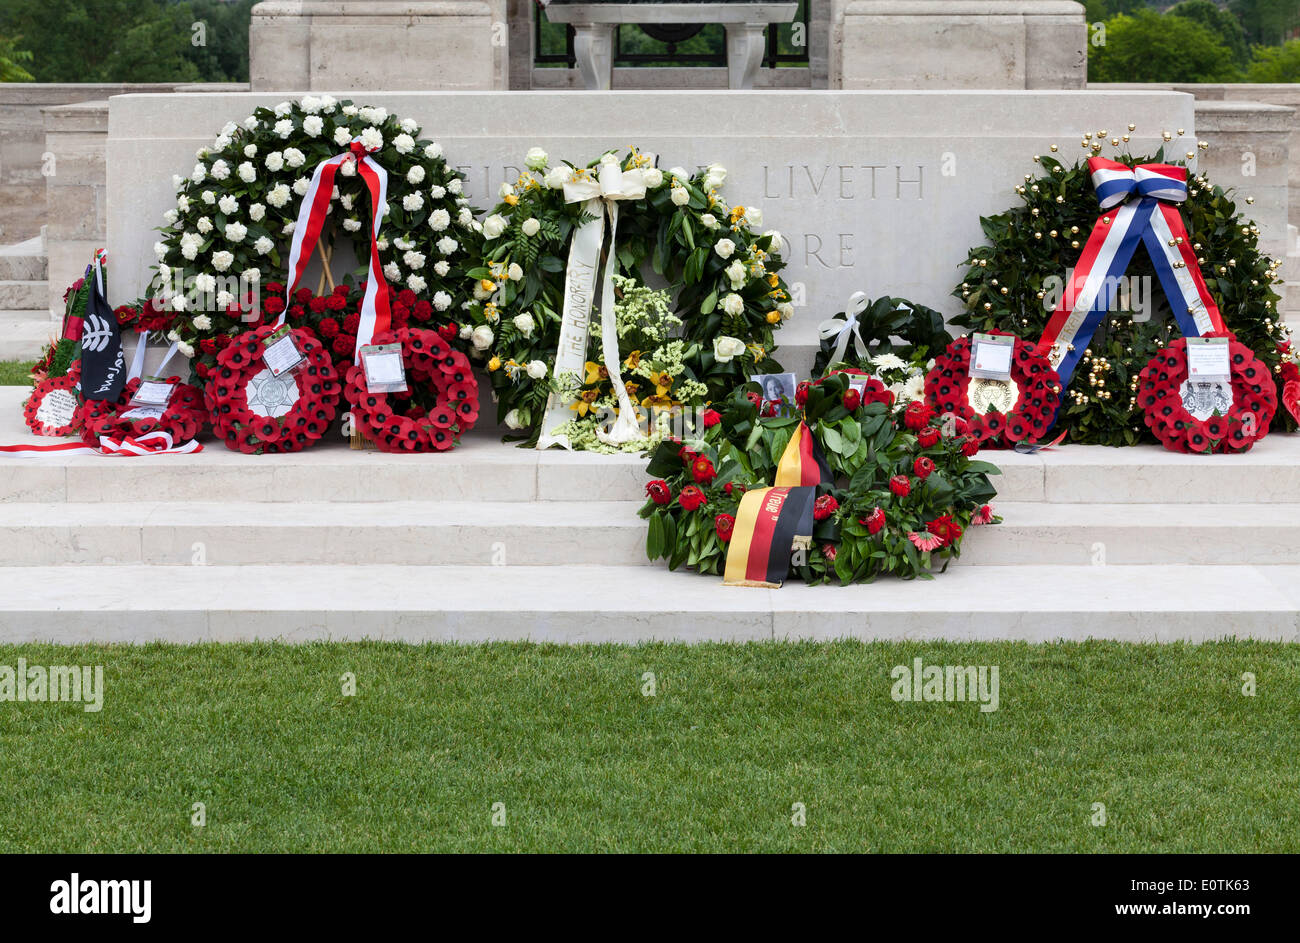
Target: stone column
983	44
76	222
353	45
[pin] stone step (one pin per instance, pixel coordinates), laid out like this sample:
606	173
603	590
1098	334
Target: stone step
24	261
24	295
24	340
639	604
564	533
29	316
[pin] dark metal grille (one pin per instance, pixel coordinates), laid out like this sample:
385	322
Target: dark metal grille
553	44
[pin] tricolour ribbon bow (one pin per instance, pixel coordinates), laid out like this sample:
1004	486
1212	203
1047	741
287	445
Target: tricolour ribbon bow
1152	218
600	191
376	316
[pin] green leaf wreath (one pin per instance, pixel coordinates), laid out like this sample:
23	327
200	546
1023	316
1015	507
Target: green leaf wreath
698	296
1008	281
903	495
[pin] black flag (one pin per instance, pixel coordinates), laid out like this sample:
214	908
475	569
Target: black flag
103	365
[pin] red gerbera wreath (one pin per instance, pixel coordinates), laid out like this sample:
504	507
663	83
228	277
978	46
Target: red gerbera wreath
1213	420
1034	384
55	399
440	405
254	411
182	417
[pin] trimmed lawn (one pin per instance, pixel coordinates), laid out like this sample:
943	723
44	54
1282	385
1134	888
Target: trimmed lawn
716	760
15	372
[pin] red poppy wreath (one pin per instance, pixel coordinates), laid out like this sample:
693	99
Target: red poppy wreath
999	413
254	411
1207	417
440	405
182	417
54	407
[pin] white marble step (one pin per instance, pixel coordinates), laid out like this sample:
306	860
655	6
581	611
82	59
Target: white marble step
24	294
23	340
638	604
24	261
28	316
562	533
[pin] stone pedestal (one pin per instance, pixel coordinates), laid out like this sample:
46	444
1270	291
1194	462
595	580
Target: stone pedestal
348	45
985	44
76	220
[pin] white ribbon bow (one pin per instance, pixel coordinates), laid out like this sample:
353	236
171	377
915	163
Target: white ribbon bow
601	195
846	330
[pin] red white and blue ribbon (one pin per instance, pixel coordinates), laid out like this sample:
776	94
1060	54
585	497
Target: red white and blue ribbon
1152	218
376	314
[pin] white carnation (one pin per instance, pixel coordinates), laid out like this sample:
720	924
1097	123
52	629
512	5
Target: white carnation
413	260
442	268
279	195
247	172
250	276
447	245
221	261
313	125
205	282
171	216
235	232
404	144
442	301
220	170
256	212
433	151
190	243
412	202
439	220
415	174
416	283
372	139
202	323
352	225
408	125
294	157
209	197
274	161
392	272
342	136
301	186
228	204
160	250
284	128
263	246
455	185
204	225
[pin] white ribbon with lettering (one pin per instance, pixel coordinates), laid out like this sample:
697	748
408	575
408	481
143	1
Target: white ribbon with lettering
600	196
846	330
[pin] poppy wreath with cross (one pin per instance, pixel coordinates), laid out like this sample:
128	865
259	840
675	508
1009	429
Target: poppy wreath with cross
227	238
1009	281
695	271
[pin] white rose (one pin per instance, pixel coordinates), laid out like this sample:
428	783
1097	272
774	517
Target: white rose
505	190
714	176
681	173
294	157
235	232
250	150
536	159
494	226
202	323
557	177
439	220
513	421
415	174
524	324
531	226
221	261
416	283
709	220
681	196
247	172
263	245
537	369
736	272
228	204
775	236
284	128
274	161
313	125
725	248
256	212
342	137
412	202
654	177
442	300
404	143
733	304
482	337
725	348
447	245
514	272
786	310
754	216
279	195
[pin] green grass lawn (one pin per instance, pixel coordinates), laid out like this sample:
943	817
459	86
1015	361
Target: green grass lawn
14	372
715	761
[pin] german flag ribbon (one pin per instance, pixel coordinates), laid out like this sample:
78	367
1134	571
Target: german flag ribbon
802	463
770	523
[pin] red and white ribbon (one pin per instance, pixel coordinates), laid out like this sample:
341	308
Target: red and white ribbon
376	314
151	443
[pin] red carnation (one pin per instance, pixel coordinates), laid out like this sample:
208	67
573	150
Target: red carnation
900	485
317	305
724	524
449	332
422	310
710	418
352	322
343	344
922	467
406	297
273	307
852	399
328	328
692	498
917	415
927	437
658	489
874	521
336	302
702	470
824	507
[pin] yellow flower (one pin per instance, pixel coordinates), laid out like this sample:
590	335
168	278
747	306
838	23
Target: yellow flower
487	284
774	317
773	280
633	360
595	373
494	364
585	402
663	379
512	200
657	400
736	213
